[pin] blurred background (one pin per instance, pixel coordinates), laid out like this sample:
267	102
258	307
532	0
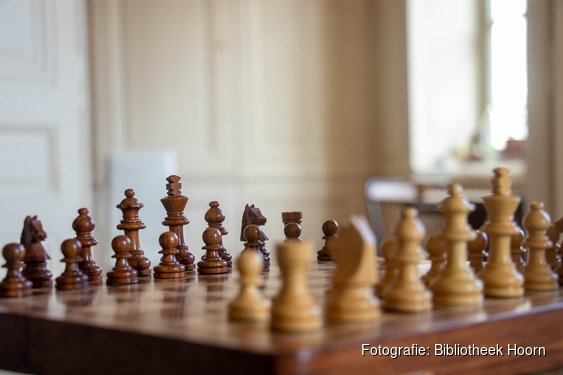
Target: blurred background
289	104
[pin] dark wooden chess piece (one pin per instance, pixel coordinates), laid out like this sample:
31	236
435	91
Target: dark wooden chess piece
292	231
169	267
131	224
330	231
214	218
71	278
14	284
35	254
292	217
83	225
253	215
122	273
174	204
211	262
252	235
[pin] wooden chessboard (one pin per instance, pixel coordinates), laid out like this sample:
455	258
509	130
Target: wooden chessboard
182	327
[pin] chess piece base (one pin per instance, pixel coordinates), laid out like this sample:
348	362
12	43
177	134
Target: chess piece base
349	305
258	311
502	281
71	283
15	290
38	274
125	278
540	279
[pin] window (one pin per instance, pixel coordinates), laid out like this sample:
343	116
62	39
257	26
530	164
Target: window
467	82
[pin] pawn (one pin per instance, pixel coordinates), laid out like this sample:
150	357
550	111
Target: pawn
122	273
516	249
14	284
292	231
72	278
169	267
249	304
211	262
293	308
408	294
330	230
476	251
389	253
83	225
436	248
252	233
538	274
214	218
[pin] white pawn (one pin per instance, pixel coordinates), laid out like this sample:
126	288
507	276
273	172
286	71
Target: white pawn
500	277
293	309
408	294
249	304
456	285
538	274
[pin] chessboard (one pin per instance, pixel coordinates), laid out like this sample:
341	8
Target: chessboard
182	326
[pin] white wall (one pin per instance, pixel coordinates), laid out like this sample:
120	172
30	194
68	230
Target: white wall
265	102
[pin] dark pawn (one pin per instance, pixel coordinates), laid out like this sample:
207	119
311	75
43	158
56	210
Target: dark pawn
292	231
83	225
72	278
253	235
122	273
169	267
14	284
174	203
35	254
214	218
330	230
131	225
211	262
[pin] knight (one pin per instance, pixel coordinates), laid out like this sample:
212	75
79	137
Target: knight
36	256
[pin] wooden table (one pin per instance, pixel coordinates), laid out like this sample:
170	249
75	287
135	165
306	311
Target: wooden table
182	327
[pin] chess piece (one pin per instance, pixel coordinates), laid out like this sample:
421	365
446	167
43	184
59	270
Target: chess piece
436	248
253	215
214	218
389	254
174	203
293	308
552	252
252	234
456	285
292	231
408	294
351	298
500	277
476	251
292	217
71	278
249	304
83	225
169	267
14	284
538	275
131	224
122	273
211	262
35	254
330	230
516	250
